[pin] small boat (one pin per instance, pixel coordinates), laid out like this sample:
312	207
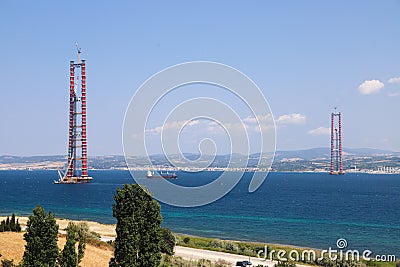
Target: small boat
165	175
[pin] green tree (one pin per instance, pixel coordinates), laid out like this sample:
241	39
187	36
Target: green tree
17	226
167	243
41	240
2	226
82	230
7	226
68	257
138	228
13	223
75	233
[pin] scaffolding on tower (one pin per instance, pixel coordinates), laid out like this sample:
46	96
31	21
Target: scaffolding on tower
77	165
336	143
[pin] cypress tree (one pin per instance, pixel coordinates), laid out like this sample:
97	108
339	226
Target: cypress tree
138	228
2	226
7	226
83	232
68	256
12	223
17	226
41	240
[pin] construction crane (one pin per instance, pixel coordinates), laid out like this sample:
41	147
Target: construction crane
79	52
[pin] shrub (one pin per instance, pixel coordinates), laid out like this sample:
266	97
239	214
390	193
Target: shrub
222	263
204	263
216	243
231	246
8	263
186	240
285	264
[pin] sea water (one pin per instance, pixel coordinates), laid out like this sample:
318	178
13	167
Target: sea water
300	209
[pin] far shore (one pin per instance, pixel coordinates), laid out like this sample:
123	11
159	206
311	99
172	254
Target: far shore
7	167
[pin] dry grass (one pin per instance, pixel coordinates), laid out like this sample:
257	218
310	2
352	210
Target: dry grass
12	246
102	229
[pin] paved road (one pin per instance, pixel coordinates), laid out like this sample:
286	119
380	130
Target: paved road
196	254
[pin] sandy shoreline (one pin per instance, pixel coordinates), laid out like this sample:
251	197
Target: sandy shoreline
105	230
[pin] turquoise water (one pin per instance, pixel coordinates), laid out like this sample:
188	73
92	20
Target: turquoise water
302	209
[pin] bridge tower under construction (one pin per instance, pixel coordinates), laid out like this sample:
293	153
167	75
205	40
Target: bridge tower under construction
77	168
336	143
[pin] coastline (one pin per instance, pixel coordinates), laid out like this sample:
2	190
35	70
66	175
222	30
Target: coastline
7	167
107	233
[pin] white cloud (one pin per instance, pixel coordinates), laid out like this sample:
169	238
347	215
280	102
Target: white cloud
249	124
294	118
259	123
370	87
173	125
394	80
320	131
260	118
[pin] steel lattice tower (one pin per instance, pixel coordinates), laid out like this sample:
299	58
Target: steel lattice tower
336	143
77	170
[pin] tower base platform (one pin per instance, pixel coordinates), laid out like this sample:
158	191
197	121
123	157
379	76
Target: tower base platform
74	180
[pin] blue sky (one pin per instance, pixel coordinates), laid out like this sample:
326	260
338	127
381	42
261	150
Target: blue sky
306	56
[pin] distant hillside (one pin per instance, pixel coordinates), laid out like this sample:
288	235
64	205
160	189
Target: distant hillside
325	152
297	160
30	159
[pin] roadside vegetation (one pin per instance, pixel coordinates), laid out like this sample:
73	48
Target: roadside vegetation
170	261
252	249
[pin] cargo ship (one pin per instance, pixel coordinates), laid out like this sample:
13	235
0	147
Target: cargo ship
166	175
